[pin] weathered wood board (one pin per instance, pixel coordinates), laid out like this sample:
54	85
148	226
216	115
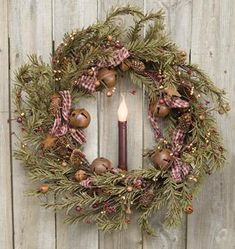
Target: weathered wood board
67	17
213	47
6	226
30	32
207	29
108	133
178	24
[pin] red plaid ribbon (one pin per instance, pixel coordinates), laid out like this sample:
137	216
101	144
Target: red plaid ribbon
86	183
155	126
78	135
61	123
175	102
66	104
172	102
88	82
179	168
119	55
178	139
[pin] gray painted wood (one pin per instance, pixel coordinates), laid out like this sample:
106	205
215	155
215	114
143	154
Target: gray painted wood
178	24
132	238
69	16
30	32
6	228
213	47
208	29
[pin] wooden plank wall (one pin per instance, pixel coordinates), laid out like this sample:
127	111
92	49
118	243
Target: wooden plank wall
207	29
30	29
213	47
6	227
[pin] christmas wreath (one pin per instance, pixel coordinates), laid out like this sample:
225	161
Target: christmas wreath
181	101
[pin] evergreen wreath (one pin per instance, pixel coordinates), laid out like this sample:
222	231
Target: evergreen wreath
53	130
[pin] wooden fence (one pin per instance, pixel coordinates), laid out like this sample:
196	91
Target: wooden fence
204	27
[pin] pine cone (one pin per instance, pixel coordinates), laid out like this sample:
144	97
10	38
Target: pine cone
137	65
63	146
55	104
76	156
185	121
147	197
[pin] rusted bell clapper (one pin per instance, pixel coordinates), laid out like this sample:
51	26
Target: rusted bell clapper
79	118
101	165
125	65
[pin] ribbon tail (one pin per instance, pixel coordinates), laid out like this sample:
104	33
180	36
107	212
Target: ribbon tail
79	136
58	129
66	104
176	102
179	170
155	126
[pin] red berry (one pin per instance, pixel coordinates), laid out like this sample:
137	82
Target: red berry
128	221
78	209
95	205
19	120
161	101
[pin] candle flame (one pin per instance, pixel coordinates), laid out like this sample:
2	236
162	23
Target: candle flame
122	110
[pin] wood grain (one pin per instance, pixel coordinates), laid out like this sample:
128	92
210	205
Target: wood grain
213	47
6	226
4	61
69	16
30	32
205	27
178	23
108	133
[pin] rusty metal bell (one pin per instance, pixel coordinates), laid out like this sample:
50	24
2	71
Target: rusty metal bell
162	159
159	110
101	165
107	76
79	118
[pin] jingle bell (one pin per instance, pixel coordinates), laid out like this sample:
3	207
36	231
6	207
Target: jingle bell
159	110
80	175
101	165
79	118
162	159
107	76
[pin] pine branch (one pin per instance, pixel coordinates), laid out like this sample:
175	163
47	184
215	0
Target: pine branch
126	10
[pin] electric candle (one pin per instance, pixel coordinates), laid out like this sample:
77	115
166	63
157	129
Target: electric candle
122	134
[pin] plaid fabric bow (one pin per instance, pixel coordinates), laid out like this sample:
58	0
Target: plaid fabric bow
61	123
175	102
172	102
179	168
88	82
